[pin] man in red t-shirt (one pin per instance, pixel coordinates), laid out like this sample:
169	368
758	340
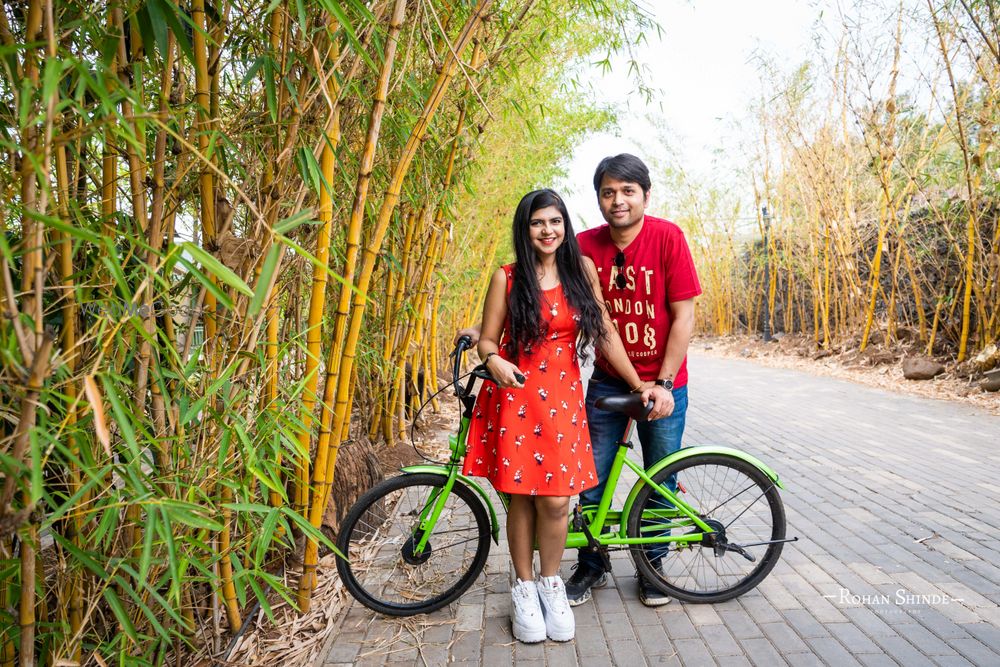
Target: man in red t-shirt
649	283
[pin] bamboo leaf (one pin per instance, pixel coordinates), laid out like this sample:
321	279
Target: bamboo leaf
149	534
158	23
218	269
261	291
269	87
119	611
97	407
172	13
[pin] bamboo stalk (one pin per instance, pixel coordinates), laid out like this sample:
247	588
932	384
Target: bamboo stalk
321	477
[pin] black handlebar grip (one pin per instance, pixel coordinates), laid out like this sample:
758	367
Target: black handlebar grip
520	378
464	342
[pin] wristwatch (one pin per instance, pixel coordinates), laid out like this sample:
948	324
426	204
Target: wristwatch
666	384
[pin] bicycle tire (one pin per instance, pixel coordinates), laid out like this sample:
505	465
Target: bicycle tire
726	491
374	536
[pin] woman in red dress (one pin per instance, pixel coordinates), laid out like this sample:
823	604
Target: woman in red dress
531	439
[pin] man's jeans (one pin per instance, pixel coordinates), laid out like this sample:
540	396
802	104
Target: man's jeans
658	439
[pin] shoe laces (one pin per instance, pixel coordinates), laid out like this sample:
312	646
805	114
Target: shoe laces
522	596
555	595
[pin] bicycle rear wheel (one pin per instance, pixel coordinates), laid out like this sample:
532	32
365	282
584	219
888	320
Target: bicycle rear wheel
377	538
738	501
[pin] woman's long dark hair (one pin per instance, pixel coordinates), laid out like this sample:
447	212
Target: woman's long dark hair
525	304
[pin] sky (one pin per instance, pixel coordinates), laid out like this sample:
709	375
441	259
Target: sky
704	67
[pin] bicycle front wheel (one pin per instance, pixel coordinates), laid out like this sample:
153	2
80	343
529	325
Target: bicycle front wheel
742	506
379	535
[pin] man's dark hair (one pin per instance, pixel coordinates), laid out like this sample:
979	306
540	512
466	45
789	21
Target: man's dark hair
623	167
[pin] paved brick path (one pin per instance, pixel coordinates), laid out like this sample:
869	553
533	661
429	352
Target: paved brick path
896	501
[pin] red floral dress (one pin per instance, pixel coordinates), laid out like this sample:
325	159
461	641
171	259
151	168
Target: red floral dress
534	440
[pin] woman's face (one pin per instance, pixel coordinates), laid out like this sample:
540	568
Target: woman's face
546	231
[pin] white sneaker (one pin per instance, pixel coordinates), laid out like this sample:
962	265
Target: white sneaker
560	625
525	613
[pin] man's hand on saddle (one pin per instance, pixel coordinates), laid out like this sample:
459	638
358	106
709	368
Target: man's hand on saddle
663	400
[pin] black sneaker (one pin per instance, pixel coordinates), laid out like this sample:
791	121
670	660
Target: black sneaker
650	595
584	578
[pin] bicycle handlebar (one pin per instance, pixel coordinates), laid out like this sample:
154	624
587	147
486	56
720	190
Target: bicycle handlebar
480	371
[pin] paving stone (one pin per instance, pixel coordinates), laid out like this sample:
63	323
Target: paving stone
903	651
703	614
560	654
740	623
784	638
976	651
926	642
802	659
694	653
591	643
523	652
598	660
679	626
617	626
498	655
466	647
872	625
853	638
627	653
877	660
719	640
761	652
654	640
832	651
805	623
342	652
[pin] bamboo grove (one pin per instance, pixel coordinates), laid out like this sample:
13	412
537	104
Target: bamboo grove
876	159
232	235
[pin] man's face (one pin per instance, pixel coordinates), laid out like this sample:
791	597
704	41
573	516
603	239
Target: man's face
623	203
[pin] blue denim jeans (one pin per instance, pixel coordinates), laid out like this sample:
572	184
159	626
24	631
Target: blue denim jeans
658	439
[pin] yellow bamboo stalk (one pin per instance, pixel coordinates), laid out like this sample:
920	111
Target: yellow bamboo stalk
317	299
972	186
206	183
321	478
8	653
74	523
323	469
343	404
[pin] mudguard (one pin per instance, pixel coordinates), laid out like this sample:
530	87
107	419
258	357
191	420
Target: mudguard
468	481
687	452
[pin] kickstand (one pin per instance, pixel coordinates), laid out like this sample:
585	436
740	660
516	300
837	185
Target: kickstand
601	551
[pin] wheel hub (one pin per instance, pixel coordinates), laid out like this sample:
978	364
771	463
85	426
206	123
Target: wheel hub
715	540
407	551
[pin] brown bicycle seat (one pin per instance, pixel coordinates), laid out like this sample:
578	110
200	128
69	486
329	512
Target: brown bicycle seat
627	404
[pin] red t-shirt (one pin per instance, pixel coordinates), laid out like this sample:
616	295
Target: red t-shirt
659	270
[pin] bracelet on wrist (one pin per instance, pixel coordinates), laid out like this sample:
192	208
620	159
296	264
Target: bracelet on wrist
486	359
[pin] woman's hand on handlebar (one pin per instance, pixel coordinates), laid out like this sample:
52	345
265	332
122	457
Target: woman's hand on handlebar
472	332
505	373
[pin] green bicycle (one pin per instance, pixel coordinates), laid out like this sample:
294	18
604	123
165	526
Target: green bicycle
705	524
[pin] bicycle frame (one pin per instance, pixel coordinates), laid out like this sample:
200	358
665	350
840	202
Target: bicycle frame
679	513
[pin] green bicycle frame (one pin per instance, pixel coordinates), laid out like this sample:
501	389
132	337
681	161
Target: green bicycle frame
435	503
681	514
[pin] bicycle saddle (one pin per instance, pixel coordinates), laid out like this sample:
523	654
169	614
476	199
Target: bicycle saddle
627	404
